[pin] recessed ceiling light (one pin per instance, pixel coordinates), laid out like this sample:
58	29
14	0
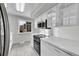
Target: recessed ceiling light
17	7
20	7
5	5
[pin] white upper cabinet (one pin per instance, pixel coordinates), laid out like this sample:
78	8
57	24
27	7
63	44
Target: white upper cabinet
49	18
69	14
54	16
66	14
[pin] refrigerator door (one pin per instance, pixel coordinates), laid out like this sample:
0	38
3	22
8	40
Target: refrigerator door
4	31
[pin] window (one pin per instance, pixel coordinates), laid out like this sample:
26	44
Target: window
25	26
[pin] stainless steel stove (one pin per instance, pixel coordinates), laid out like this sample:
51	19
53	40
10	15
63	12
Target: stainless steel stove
37	43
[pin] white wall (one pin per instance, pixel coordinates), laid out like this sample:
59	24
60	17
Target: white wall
18	38
70	32
13	22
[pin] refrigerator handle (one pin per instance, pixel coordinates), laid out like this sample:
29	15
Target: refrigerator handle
6	30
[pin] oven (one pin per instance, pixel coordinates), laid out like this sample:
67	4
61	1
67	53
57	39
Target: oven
37	44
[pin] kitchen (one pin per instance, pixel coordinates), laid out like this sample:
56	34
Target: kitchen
43	29
62	39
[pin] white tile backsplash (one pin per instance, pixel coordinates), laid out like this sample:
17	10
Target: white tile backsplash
44	31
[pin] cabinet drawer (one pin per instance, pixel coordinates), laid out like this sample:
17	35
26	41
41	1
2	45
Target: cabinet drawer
46	52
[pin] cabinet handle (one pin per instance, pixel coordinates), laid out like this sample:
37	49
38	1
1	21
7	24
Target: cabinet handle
57	50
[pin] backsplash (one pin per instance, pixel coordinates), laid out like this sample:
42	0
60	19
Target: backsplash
44	31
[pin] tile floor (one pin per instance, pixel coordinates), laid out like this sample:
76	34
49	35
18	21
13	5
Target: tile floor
22	50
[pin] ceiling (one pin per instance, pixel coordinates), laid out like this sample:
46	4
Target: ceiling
31	10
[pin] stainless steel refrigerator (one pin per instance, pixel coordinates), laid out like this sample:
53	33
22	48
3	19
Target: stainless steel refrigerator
4	31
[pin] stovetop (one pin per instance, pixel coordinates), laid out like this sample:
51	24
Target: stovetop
41	35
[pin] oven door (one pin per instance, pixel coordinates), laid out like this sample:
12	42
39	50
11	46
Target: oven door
4	31
37	47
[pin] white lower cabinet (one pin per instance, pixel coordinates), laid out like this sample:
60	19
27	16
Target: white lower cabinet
50	50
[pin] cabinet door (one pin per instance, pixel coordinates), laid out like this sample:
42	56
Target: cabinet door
70	15
49	21
53	19
46	50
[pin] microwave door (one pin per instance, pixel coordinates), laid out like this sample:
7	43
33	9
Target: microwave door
4	31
